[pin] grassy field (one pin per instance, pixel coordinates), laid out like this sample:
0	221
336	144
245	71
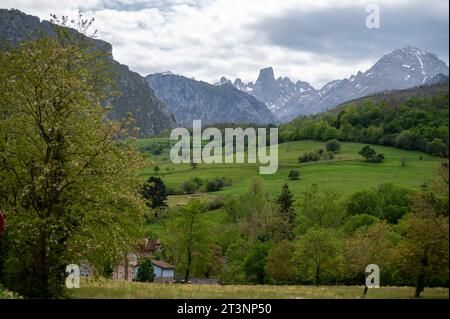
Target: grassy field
118	289
345	174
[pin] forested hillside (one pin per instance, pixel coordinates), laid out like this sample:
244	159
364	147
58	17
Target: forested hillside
415	119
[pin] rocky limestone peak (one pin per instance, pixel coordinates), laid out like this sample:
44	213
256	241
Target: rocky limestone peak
266	78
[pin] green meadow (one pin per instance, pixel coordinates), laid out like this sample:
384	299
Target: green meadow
345	174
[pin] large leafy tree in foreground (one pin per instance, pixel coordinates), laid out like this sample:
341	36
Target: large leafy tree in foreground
69	189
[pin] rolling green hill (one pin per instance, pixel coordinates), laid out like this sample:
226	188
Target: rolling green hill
345	174
414	119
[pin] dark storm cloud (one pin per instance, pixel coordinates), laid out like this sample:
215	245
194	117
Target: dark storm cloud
341	33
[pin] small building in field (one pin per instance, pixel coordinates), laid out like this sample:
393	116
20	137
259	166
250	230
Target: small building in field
127	270
164	272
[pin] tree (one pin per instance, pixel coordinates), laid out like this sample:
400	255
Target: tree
255	216
437	147
422	254
280	266
145	272
68	175
155	192
367	152
318	254
405	140
372	245
285	202
358	222
188	240
365	202
403	161
235	257
371	155
255	263
395	202
330	134
319	208
294	175
257	186
333	146
388	202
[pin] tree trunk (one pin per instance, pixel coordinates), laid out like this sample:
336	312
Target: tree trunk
420	285
188	267
317	275
42	270
125	275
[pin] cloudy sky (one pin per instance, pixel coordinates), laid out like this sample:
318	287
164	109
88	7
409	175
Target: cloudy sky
310	40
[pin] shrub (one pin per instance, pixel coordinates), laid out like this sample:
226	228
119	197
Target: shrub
154	149
333	146
198	181
294	175
189	187
216	204
309	157
214	185
173	191
217	184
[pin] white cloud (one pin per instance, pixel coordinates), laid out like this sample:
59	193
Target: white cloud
206	39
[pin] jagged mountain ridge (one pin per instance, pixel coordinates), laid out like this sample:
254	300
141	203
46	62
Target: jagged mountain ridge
401	69
136	96
189	99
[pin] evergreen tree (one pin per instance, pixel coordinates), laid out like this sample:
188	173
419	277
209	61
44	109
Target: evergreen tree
155	192
286	210
146	272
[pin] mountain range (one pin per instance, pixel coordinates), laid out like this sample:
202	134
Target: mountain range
189	99
162	100
136	96
403	68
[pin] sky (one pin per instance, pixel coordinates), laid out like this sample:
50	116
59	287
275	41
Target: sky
310	40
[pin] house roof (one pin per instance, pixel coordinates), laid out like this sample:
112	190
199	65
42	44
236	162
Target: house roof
152	245
162	264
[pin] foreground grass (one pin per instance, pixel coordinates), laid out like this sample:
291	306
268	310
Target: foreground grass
123	290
